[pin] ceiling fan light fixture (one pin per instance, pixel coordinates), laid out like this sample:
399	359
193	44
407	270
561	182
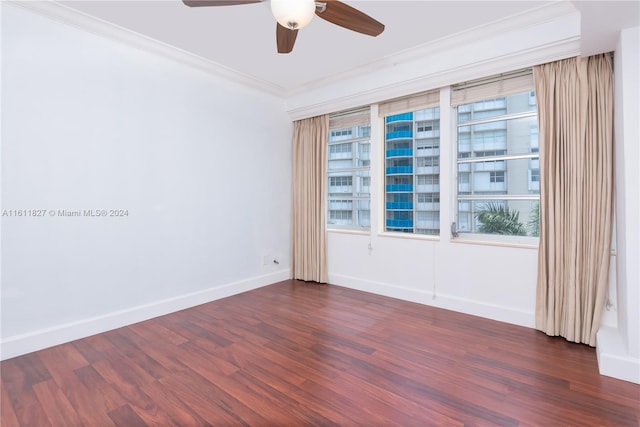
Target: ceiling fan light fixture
293	14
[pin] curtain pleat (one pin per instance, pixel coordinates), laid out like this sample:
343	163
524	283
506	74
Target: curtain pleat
575	116
308	234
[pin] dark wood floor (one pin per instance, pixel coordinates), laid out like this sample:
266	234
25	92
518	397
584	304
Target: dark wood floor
294	354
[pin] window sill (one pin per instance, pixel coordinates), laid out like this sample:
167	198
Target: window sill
349	231
411	236
504	241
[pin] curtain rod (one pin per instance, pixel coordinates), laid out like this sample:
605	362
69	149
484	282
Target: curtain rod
492	79
345	113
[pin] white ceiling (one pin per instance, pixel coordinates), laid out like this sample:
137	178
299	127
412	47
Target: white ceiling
243	37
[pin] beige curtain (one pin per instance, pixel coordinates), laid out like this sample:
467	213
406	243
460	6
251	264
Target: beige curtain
308	234
575	113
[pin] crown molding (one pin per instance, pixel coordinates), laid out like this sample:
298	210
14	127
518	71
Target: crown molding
553	52
74	18
413	70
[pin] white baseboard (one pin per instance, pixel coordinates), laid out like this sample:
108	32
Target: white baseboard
441	300
59	334
613	358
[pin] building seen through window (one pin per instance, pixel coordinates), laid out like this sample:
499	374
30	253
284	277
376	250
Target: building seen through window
348	190
498	166
412	172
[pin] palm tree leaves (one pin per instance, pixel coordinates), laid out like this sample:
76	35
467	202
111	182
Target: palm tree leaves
494	218
534	220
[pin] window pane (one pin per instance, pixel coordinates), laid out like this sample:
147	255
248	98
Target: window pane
505	217
348	180
515	177
500	195
504	137
412	172
518	103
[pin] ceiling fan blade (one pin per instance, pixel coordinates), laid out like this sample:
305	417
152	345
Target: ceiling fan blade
352	19
199	3
285	38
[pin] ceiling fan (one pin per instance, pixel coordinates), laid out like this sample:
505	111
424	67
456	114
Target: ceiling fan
292	15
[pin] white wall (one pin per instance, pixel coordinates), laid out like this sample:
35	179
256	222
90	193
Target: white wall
619	348
201	164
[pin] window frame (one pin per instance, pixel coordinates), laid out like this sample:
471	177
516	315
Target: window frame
463	236
430	101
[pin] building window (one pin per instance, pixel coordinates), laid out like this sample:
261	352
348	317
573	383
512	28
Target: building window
412	171
428	180
336	215
337	135
535	175
498	174
349	182
340	148
345	182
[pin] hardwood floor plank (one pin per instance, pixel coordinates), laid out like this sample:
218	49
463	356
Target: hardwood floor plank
91	401
447	401
206	364
211	402
285	406
91	383
128	344
94	348
291	370
153	331
7	415
378	406
125	416
119	374
17	381
624	393
56	405
295	353
94	405
301	396
59	359
181	413
28	368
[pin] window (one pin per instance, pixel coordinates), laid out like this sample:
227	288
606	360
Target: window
337	135
428	180
412	164
340	216
424	162
341	181
496	176
349	182
498	170
428	198
340	148
535	175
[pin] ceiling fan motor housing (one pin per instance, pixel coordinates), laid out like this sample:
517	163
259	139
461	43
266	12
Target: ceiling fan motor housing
293	14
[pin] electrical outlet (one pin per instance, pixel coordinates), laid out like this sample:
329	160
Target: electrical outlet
276	260
266	260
